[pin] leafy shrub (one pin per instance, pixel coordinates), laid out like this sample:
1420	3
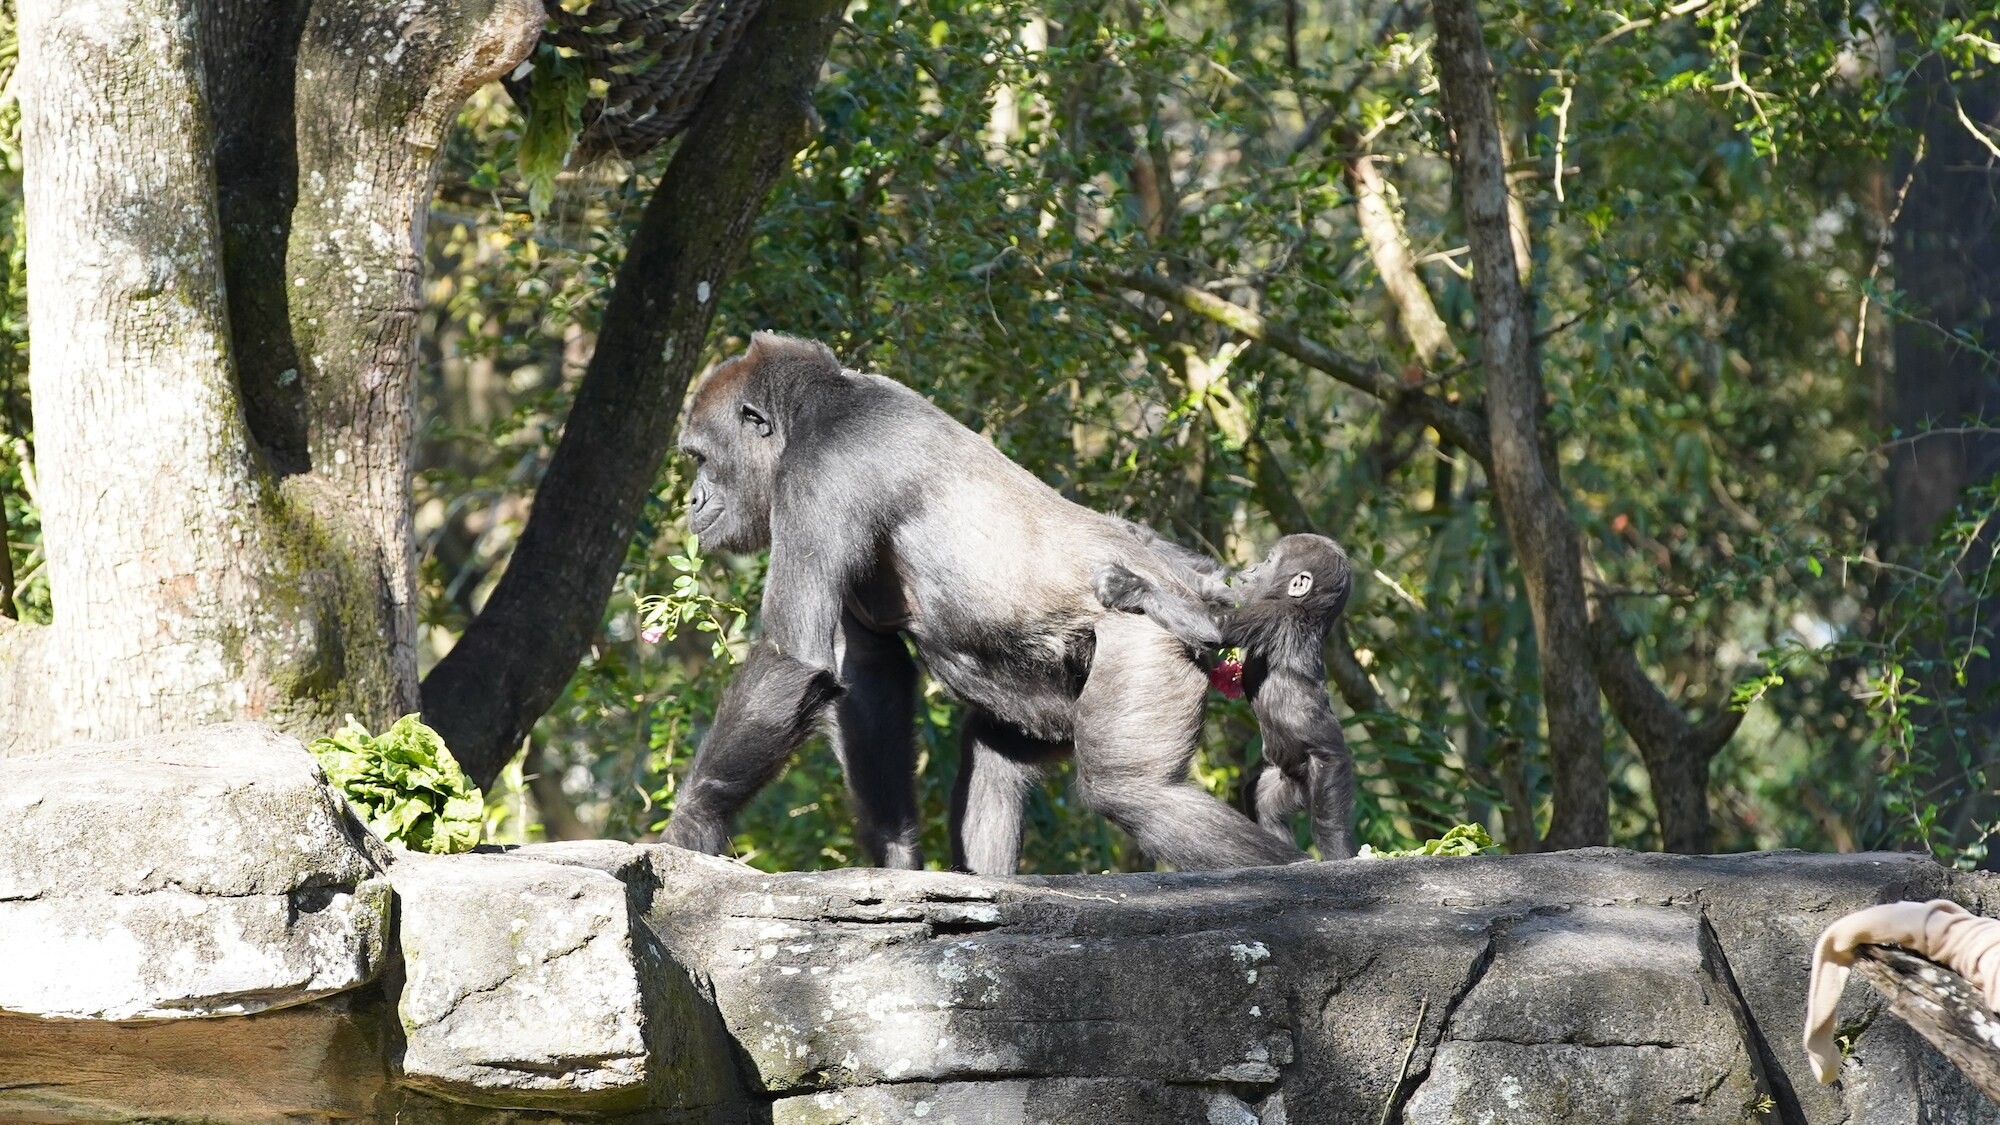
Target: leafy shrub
405	784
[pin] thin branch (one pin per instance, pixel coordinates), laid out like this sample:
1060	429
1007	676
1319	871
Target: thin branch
6	566
1462	427
1978	134
1630	26
1882	247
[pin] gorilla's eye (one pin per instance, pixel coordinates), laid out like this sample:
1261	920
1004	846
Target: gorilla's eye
1301	584
756	421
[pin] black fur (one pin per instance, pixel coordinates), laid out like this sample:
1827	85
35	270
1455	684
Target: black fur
885	517
1283	609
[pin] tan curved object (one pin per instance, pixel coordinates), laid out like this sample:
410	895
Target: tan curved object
1939	929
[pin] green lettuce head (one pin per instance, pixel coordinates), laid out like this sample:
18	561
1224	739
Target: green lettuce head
405	784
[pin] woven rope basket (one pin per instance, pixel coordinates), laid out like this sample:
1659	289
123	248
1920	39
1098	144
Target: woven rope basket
655	56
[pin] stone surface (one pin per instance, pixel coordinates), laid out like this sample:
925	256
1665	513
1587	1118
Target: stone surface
1595	986
1580	1004
520	983
613	982
200	874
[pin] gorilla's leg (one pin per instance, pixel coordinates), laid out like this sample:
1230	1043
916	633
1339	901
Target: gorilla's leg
875	738
1137	721
1330	791
1274	795
768	709
997	766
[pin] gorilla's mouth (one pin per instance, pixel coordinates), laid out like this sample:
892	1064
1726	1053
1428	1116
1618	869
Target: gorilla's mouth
702	518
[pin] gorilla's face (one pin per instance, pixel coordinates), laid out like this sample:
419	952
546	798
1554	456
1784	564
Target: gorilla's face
735	448
1308	571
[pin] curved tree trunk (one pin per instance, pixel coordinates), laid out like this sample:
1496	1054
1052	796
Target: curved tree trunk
226	479
519	653
1523	466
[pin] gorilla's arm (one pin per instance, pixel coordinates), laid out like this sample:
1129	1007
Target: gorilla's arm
1192	623
770	707
874	735
773	704
1206	577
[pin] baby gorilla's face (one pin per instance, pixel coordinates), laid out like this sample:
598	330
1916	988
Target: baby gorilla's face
1297	566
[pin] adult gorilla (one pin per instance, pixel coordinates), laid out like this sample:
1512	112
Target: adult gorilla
885	516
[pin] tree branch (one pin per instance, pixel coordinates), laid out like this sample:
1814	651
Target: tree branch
517	655
7	611
1389	248
1942	1006
1531	502
1676	751
1462	427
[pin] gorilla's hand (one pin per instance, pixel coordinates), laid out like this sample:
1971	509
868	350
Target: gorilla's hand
1119	588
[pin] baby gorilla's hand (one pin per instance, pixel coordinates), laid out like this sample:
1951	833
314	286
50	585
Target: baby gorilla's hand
1119	588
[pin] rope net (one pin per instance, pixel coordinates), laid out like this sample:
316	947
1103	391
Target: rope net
653	57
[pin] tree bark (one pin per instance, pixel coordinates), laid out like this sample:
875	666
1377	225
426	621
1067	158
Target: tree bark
204	562
1531	501
1943	1007
1676	751
517	655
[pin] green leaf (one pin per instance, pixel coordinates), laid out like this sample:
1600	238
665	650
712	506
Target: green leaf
1464	839
556	93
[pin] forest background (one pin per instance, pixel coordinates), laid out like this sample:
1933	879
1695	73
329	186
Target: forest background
1203	265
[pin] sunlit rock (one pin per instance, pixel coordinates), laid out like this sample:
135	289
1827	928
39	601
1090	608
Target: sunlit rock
202	874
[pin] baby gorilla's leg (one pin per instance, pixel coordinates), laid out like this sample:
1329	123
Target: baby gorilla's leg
1273	796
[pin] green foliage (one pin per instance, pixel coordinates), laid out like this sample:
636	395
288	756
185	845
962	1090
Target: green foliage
557	90
1463	839
405	784
662	616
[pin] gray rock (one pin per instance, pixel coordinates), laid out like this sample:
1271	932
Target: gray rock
1589	986
1579	1006
200	874
612	982
520	984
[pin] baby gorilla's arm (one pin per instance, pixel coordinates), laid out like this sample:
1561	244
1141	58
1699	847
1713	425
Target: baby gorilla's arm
1191	622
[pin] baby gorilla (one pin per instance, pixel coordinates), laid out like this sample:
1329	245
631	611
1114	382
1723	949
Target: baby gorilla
1283	609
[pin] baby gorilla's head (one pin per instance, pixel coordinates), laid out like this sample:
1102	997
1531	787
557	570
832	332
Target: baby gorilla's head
1306	574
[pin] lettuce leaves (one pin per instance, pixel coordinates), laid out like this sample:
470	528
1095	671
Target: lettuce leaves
405	784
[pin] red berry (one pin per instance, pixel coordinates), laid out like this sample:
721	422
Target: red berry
1227	678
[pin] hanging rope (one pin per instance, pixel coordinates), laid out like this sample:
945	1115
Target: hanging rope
654	59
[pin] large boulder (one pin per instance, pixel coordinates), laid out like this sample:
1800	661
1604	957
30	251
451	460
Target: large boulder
1598	986
201	874
520	986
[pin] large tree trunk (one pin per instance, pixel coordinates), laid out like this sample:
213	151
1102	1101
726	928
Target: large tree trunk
1523	467
518	654
1947	261
225	480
